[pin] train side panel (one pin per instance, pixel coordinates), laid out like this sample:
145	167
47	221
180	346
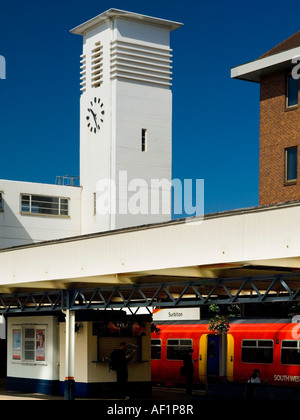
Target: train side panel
166	369
269	347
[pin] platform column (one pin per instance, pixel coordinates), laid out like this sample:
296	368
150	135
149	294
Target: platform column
70	353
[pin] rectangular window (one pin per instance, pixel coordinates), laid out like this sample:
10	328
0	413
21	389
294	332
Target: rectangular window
176	348
257	351
291	164
290	352
44	205
29	344
144	140
155	349
1	202
106	345
95	203
292	91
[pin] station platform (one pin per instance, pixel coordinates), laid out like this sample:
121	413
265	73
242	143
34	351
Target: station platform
158	394
218	392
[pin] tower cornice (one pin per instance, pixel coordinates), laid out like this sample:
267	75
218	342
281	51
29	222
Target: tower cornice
116	13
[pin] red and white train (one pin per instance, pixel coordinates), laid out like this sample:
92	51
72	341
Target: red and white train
273	347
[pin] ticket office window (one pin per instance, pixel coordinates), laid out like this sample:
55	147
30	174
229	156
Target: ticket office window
105	346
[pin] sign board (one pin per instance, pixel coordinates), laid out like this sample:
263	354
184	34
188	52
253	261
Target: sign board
180	314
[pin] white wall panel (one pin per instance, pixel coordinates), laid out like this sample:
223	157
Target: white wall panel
253	235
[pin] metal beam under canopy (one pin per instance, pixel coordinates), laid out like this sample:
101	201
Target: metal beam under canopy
260	289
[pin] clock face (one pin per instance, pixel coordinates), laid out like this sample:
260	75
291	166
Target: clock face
95	115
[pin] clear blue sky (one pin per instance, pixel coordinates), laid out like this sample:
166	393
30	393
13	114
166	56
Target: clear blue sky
215	119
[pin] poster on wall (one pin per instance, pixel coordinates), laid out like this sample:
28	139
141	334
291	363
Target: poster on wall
40	345
16	353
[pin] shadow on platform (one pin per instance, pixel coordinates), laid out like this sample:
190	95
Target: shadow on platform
214	391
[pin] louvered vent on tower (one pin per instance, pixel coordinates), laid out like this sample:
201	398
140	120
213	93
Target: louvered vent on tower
97	65
83	73
141	63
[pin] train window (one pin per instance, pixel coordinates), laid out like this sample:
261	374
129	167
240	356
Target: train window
155	349
177	348
290	352
249	343
257	351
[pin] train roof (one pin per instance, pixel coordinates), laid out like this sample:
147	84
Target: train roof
233	321
238	325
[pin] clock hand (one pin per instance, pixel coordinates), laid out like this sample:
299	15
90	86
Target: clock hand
90	110
95	118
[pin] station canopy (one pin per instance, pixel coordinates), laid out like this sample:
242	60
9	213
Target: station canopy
242	256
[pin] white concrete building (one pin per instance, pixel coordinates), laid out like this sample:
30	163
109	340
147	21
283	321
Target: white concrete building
125	138
125	118
32	212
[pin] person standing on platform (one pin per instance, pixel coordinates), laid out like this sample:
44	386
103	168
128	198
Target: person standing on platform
120	358
188	369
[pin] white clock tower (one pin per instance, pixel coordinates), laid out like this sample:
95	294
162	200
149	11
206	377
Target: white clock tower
125	120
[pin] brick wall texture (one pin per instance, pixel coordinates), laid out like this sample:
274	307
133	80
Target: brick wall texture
279	129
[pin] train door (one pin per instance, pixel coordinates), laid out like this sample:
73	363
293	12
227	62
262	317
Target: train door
210	357
230	357
213	357
203	359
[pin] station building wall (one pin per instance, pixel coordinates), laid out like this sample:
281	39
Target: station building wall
33	354
93	377
19	227
279	131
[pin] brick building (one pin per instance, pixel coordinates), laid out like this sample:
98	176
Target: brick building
277	71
